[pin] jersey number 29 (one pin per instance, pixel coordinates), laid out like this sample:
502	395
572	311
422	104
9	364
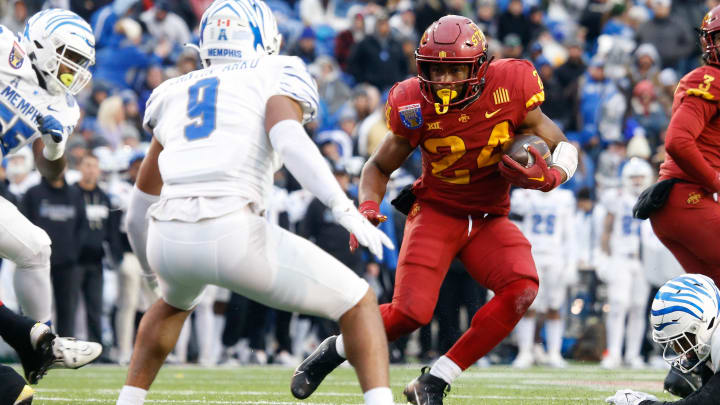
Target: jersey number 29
202	106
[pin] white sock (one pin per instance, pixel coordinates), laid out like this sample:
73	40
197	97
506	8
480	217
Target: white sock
340	347
525	330
615	324
131	396
554	329
446	369
378	396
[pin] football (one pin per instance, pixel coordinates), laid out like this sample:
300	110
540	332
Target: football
517	151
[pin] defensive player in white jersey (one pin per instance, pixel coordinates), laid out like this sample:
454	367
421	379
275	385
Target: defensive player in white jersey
684	321
548	223
41	69
621	268
219	134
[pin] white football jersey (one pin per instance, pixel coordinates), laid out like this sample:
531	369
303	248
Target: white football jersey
625	236
548	220
211	123
22	100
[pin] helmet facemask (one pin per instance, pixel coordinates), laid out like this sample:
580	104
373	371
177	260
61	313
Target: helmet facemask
69	69
683	351
710	42
446	98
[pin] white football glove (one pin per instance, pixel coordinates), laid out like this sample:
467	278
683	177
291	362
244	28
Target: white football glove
629	397
366	233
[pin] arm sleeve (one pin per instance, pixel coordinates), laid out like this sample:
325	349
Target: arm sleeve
137	225
685	126
304	161
295	82
706	395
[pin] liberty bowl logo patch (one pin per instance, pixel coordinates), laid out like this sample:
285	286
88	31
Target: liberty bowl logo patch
411	116
17	56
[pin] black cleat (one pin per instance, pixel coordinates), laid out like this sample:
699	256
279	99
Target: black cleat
13	388
38	360
426	389
313	370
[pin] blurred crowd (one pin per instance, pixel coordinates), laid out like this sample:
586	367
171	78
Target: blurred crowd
609	68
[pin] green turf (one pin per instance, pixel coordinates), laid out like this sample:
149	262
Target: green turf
269	385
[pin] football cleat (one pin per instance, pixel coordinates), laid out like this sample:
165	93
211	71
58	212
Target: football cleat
55	352
523	360
426	389
313	370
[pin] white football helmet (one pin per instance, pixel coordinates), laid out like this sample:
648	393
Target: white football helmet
55	38
637	175
237	29
683	317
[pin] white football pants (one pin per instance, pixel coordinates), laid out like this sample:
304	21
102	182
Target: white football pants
244	253
29	247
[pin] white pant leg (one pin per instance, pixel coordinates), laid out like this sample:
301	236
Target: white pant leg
205	327
636	313
246	254
129	279
620	292
29	247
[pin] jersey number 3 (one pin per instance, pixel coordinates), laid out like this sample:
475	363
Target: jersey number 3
202	108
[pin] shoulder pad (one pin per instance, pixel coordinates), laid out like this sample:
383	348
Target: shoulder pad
403	110
703	82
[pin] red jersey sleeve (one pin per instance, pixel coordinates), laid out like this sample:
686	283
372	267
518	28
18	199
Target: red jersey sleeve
403	111
702	83
532	91
687	122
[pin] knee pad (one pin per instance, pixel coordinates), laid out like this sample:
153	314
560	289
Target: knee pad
398	324
30	260
520	294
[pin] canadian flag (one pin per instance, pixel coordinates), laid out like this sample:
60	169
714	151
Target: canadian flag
222	22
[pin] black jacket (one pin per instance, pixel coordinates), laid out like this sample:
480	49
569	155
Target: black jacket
61	213
101	227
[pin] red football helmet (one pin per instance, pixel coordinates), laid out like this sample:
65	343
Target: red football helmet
709	38
452	39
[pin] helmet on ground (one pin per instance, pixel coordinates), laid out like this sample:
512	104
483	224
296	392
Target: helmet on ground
683	319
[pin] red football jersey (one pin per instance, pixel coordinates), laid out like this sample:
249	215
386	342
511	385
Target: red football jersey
461	148
702	83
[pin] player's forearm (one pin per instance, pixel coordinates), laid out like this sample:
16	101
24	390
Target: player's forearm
373	183
685	126
304	161
51	169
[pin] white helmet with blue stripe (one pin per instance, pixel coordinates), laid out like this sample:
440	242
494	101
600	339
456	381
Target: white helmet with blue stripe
684	316
61	46
237	29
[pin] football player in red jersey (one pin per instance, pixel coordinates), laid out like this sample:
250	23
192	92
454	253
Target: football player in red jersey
688	220
459	110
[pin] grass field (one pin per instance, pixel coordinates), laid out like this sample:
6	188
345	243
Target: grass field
269	386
